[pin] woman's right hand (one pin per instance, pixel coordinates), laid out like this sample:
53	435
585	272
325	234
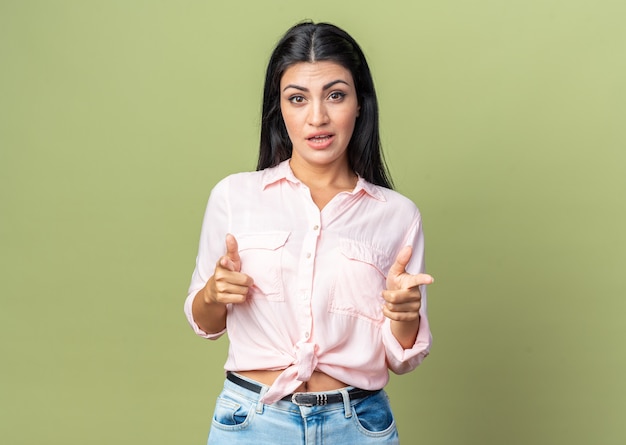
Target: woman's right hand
228	284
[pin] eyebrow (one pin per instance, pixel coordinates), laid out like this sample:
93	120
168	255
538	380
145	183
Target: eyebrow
327	86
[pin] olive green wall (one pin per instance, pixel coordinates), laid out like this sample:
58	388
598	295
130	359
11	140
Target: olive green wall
503	120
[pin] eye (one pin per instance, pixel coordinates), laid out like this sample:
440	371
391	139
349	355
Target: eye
296	99
336	96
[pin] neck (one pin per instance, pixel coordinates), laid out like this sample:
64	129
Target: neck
336	177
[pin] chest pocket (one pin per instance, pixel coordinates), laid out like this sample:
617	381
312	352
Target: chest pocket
261	258
360	280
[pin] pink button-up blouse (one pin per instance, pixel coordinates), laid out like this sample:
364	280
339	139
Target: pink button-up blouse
316	303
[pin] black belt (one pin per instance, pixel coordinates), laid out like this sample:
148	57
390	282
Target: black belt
305	398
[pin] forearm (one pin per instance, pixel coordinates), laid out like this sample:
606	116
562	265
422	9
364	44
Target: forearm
209	316
405	332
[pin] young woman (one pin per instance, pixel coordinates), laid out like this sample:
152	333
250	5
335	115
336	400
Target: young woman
312	264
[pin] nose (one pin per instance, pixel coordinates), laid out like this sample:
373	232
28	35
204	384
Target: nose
318	114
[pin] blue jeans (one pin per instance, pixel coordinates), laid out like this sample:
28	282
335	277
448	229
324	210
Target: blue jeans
240	418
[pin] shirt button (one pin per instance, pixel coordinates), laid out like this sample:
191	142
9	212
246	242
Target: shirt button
306	335
315	227
308	255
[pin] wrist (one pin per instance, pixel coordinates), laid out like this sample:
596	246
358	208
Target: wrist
209	316
405	332
207	294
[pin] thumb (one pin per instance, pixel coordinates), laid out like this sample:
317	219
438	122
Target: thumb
403	258
398	278
231	260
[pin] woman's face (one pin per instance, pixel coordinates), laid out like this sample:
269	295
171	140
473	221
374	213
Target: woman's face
319	105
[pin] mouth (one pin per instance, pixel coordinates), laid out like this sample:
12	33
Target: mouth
321	140
320	137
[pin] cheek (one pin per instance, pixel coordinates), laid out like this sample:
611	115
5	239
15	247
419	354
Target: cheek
347	118
290	122
348	124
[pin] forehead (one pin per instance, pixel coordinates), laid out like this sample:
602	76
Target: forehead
315	74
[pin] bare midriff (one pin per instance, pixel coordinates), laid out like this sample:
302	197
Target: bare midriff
319	382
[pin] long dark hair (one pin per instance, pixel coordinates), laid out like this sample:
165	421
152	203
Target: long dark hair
311	42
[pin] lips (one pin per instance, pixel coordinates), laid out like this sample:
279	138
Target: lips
319	137
320	140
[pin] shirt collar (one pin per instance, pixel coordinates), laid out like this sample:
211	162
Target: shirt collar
373	190
274	174
283	172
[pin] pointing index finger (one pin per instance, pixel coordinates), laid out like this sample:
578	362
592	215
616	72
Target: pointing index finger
232	251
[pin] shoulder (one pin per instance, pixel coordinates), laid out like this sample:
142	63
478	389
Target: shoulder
393	200
248	183
239	180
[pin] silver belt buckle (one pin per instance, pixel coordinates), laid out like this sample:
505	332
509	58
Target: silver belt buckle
295	401
320	399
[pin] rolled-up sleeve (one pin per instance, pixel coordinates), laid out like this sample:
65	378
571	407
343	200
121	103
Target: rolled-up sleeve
215	226
400	360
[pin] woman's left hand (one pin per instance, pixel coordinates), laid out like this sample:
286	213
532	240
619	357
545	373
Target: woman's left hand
403	298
